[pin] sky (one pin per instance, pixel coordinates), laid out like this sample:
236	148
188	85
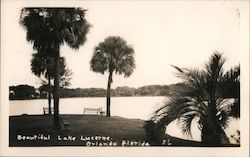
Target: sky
162	33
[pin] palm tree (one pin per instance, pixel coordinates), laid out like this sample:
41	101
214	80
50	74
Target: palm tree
44	65
49	28
201	95
40	65
113	55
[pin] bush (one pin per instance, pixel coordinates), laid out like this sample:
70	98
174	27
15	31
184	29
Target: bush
154	132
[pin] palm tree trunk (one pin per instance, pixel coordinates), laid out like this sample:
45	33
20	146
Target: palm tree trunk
209	133
213	134
49	98
108	94
56	90
212	131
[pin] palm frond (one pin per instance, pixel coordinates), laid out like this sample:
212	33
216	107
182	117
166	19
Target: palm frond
186	123
174	108
98	62
214	66
177	68
232	74
235	109
50	27
230	83
113	55
38	66
76	28
223	117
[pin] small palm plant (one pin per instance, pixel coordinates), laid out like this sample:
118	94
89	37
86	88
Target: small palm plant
113	56
204	95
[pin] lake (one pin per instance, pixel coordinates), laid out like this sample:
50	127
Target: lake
127	107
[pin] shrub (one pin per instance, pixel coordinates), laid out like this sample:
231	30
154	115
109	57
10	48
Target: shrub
154	132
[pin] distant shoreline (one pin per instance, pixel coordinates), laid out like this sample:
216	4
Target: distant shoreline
26	92
93	97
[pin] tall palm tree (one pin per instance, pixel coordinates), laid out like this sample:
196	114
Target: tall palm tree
201	95
49	28
113	55
44	65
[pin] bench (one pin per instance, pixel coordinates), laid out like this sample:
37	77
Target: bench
46	110
97	111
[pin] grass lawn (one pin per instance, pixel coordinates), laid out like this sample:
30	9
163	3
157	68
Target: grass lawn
83	130
80	126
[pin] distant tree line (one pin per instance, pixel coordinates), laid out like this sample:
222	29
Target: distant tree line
21	92
151	90
29	92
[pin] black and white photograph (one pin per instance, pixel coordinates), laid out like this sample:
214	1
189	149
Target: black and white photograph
125	75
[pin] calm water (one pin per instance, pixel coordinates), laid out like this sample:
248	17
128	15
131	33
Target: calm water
128	107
